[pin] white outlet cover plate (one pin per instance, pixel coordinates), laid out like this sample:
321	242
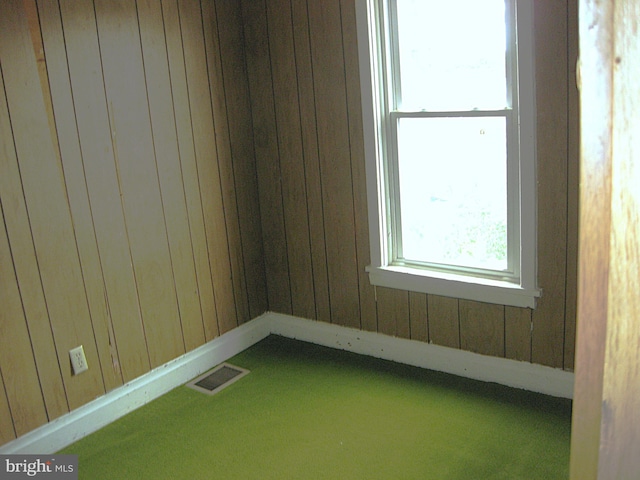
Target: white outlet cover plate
78	360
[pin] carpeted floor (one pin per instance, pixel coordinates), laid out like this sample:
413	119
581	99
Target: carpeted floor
309	412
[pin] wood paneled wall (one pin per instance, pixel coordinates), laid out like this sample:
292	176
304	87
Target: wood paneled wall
170	169
128	193
305	91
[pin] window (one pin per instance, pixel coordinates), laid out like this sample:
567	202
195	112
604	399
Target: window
449	127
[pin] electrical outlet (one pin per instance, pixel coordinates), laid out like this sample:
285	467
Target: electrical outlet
78	360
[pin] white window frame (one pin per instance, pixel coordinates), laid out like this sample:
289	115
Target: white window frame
520	287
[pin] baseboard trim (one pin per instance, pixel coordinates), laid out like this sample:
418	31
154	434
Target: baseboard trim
513	373
84	420
68	428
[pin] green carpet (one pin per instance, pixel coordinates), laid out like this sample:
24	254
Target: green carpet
309	412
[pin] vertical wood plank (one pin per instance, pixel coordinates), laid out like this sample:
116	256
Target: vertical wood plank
482	328
327	55
85	71
223	145
393	312
33	20
132	140
551	50
289	134
444	323
207	162
17	364
165	142
16	222
620	432
47	204
267	156
313	181
186	149
244	184
418	316
573	179
605	428
517	333
596	103
7	431
71	157
225	58
356	143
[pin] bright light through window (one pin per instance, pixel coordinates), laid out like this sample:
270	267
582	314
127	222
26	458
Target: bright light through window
453	191
451	54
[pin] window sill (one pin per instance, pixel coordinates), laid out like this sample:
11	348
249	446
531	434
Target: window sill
451	285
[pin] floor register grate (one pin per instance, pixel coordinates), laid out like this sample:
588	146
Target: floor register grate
213	381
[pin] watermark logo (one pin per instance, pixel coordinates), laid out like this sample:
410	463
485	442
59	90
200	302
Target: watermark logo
50	467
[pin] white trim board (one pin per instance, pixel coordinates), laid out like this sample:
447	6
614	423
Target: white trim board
513	373
74	425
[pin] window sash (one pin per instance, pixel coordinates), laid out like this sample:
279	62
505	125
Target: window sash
394	209
389	51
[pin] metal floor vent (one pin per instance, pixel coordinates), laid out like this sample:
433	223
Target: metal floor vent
213	381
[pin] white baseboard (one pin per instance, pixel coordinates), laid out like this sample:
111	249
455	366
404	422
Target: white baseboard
528	376
87	419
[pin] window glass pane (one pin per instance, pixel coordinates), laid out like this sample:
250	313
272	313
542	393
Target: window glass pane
453	194
452	54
